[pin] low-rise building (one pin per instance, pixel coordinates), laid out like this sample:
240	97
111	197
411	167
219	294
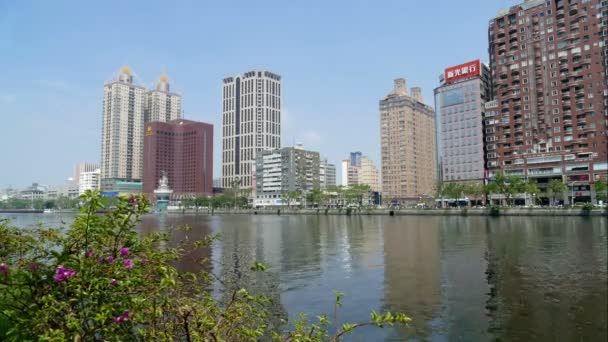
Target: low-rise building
281	171
89	180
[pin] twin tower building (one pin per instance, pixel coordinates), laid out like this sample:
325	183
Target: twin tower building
144	135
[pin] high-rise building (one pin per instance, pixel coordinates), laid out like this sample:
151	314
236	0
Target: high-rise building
368	174
183	150
355	158
80	168
407	131
350	173
251	122
122	135
284	170
548	64
88	180
163	105
327	174
460	106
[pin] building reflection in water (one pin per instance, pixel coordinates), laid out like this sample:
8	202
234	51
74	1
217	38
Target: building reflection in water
548	278
412	272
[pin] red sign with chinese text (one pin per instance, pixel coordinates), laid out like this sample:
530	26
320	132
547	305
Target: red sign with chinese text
462	71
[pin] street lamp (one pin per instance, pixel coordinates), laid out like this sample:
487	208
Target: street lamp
572	192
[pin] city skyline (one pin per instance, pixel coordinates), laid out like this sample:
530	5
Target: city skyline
56	100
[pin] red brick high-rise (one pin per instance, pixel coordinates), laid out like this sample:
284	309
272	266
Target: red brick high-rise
184	150
548	65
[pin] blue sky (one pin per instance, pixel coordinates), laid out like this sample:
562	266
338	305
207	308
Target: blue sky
337	59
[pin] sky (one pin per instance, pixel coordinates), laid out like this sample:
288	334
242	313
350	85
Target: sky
337	59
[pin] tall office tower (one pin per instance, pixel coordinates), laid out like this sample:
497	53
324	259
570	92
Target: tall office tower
368	174
251	122
80	168
460	106
355	158
183	151
284	170
407	137
327	174
122	130
548	64
163	105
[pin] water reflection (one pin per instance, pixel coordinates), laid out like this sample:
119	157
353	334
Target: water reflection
459	278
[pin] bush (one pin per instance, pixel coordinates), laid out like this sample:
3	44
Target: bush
586	209
100	280
494	211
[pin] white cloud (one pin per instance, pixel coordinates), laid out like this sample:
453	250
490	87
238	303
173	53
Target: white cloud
8	98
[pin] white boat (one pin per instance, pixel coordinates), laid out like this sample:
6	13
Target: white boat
48	211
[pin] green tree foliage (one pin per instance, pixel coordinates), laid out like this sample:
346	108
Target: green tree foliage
601	190
556	188
101	281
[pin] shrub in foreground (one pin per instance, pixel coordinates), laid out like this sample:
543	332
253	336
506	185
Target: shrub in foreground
101	281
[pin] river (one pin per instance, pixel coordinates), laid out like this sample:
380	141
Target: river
458	278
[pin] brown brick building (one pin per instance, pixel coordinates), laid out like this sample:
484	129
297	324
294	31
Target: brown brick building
548	65
184	150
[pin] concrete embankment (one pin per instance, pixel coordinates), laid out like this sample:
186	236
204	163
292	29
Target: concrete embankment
403	212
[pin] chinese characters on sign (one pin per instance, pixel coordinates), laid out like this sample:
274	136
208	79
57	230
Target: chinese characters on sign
461	71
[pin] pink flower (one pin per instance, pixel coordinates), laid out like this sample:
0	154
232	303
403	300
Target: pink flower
62	273
124	251
122	318
100	260
132	200
113	282
110	259
128	263
89	253
4	269
143	261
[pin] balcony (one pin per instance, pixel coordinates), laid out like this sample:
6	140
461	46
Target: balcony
567	122
574	25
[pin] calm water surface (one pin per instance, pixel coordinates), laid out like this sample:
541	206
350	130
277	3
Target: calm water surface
459	278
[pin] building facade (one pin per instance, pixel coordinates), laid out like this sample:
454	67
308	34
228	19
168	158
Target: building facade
548	64
285	170
122	135
459	113
350	173
408	148
355	158
80	168
89	180
368	174
327	174
182	149
251	123
163	105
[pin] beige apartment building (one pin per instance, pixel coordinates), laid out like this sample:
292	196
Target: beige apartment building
408	145
368	174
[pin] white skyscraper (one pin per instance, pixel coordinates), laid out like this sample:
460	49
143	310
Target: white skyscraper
251	122
122	129
163	105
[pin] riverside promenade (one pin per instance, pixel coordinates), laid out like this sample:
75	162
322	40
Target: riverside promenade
503	211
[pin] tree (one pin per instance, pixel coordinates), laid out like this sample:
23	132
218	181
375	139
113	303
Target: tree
291	196
531	187
315	197
513	186
473	191
601	190
556	187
